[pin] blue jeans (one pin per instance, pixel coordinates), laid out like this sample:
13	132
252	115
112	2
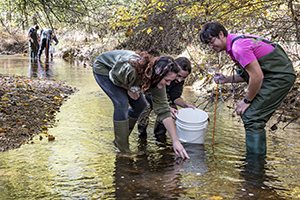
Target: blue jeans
44	46
121	99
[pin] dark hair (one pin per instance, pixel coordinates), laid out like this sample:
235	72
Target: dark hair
184	64
36	27
151	70
163	66
210	30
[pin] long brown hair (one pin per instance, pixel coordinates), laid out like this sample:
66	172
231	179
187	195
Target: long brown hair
151	70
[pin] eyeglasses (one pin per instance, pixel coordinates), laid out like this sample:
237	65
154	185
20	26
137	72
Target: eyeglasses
211	42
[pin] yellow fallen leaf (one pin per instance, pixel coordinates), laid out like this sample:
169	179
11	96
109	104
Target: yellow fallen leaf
149	31
57	97
216	198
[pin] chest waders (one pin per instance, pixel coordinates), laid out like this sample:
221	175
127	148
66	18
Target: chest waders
279	77
33	46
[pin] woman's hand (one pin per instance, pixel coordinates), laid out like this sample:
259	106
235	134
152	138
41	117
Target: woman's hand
177	146
133	95
179	150
174	113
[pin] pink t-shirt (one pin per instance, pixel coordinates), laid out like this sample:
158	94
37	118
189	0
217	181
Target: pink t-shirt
246	50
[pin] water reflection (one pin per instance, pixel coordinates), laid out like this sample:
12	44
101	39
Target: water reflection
255	175
38	69
156	175
153	175
196	165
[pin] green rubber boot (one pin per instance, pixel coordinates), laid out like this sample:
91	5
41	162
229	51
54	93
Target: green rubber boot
256	143
121	130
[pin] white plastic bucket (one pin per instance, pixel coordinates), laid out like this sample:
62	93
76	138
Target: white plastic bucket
191	125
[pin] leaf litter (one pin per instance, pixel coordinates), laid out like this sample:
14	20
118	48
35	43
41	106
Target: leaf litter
28	107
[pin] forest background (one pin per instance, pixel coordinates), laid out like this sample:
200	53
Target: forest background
86	28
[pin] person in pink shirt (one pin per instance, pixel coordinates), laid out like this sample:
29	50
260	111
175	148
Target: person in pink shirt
267	70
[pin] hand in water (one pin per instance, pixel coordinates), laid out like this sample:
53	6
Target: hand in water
179	150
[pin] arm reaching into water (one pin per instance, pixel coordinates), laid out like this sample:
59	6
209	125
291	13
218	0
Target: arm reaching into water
177	146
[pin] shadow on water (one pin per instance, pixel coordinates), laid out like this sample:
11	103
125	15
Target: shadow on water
82	162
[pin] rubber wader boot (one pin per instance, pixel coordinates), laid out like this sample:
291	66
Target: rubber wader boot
256	143
121	130
132	122
142	130
160	131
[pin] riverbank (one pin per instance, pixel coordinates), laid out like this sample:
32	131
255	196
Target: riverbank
28	108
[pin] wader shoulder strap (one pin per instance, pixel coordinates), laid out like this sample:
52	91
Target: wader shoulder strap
258	39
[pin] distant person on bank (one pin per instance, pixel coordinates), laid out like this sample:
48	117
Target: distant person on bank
46	36
267	70
33	41
174	92
124	76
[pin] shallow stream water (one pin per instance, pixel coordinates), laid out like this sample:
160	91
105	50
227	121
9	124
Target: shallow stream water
82	162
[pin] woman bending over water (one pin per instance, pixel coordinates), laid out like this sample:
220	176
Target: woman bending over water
124	76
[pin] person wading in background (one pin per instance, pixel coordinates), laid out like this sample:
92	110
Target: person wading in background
33	41
46	36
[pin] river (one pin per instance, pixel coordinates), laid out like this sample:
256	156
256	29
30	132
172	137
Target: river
82	162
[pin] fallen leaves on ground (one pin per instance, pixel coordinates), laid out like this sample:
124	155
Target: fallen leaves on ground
28	107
